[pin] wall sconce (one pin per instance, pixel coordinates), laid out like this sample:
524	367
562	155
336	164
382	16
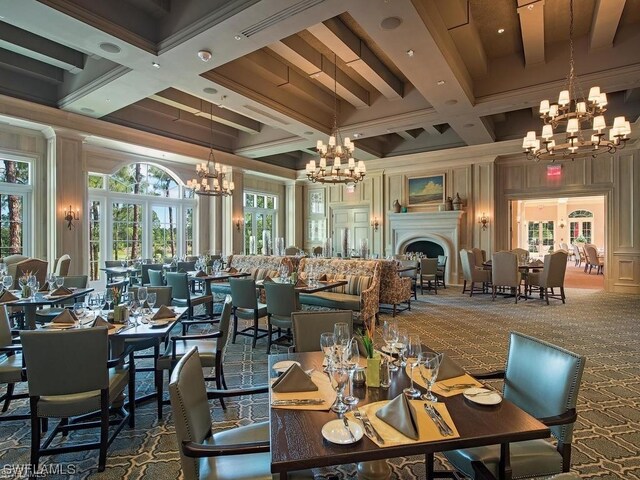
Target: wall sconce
238	222
484	221
375	224
561	224
70	216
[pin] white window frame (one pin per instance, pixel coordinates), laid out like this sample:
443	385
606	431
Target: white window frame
26	191
261	210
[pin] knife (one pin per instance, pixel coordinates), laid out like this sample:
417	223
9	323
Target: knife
435	420
346	425
442	420
294	402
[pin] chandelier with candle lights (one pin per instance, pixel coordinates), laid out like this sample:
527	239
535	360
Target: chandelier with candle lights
576	114
336	163
211	183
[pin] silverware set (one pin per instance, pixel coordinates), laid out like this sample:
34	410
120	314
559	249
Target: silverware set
438	420
457	386
369	429
297	402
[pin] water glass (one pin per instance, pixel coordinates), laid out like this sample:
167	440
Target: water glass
428	367
78	309
390	338
401	347
59	281
338	375
327	345
351	360
7	281
94	303
414	351
152	297
342	336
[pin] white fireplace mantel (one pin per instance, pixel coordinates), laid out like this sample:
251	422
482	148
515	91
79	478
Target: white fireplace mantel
443	228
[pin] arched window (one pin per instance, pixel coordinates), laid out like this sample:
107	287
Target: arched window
15	199
580	226
150	216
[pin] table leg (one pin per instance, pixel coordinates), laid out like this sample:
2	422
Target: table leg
30	317
504	470
374	470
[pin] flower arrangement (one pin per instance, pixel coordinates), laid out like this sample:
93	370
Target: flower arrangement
367	337
116	294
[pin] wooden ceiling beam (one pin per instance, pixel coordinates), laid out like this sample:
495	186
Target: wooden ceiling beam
531	14
606	18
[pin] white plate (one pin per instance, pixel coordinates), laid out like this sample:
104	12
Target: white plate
393	350
488	397
284	365
336	432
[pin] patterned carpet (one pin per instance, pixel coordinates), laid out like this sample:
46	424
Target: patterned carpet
474	331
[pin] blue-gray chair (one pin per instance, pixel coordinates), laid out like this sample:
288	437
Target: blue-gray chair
543	380
182	297
247	307
282	301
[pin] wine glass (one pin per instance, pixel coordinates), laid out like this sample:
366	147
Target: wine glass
108	299
78	309
59	281
351	360
414	351
428	368
341	335
338	375
51	281
152	297
401	347
7	281
35	286
94	303
327	344
143	293
22	281
390	338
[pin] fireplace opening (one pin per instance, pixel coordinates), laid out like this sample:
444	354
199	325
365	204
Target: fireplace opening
430	249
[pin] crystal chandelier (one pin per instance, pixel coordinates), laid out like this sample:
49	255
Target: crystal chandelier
211	183
336	164
571	112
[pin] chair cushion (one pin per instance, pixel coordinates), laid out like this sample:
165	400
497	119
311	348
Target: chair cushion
356	284
206	350
280	321
11	369
85	402
201	299
341	301
532	458
222	288
247	313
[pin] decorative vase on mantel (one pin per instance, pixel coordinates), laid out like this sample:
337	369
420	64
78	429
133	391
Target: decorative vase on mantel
457	202
396	206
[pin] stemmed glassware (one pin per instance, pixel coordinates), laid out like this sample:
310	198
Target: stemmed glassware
143	294
152	297
59	281
328	345
108	299
51	281
338	374
7	281
94	303
401	347
342	336
414	351
351	359
390	337
428	368
34	286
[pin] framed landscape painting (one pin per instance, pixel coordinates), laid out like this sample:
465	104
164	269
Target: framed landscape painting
426	190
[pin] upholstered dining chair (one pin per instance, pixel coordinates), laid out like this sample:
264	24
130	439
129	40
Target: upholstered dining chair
412	274
520	252
211	346
156	278
35	266
61	265
291	250
69	374
504	273
307	327
441	274
472	274
480	256
240	453
11	368
428	274
543	380
182	297
317	250
551	276
188	266
247	307
145	268
282	301
592	259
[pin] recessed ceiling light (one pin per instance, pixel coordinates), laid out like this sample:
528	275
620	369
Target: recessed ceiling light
109	47
453	101
155	64
357	135
204	55
210	90
390	23
410	52
238	37
441	82
87	110
530	6
501	30
469	125
308	133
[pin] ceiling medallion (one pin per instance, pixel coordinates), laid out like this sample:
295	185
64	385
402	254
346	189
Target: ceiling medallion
337	152
571	112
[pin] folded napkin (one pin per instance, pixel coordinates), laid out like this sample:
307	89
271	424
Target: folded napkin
231	270
163	312
449	369
61	291
401	415
301	283
66	316
537	263
294	379
268	279
101	322
201	274
7	296
44	287
322	278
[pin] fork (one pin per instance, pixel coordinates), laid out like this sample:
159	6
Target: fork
366	421
457	386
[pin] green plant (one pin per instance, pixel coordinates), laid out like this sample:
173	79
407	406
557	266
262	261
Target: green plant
367	341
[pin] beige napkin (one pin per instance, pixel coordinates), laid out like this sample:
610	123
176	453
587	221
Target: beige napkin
428	432
231	270
66	316
401	415
301	283
201	274
44	287
537	263
325	392
294	379
101	322
449	369
7	296
322	278
60	291
163	312
465	379
268	279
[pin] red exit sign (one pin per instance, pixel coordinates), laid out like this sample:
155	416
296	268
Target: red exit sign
554	170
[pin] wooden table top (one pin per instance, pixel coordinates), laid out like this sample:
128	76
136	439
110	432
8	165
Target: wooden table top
43	298
216	277
297	442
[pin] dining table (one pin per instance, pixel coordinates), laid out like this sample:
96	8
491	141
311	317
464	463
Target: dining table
42	299
129	272
311	287
297	442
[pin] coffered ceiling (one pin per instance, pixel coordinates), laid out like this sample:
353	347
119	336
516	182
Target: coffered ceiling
410	75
